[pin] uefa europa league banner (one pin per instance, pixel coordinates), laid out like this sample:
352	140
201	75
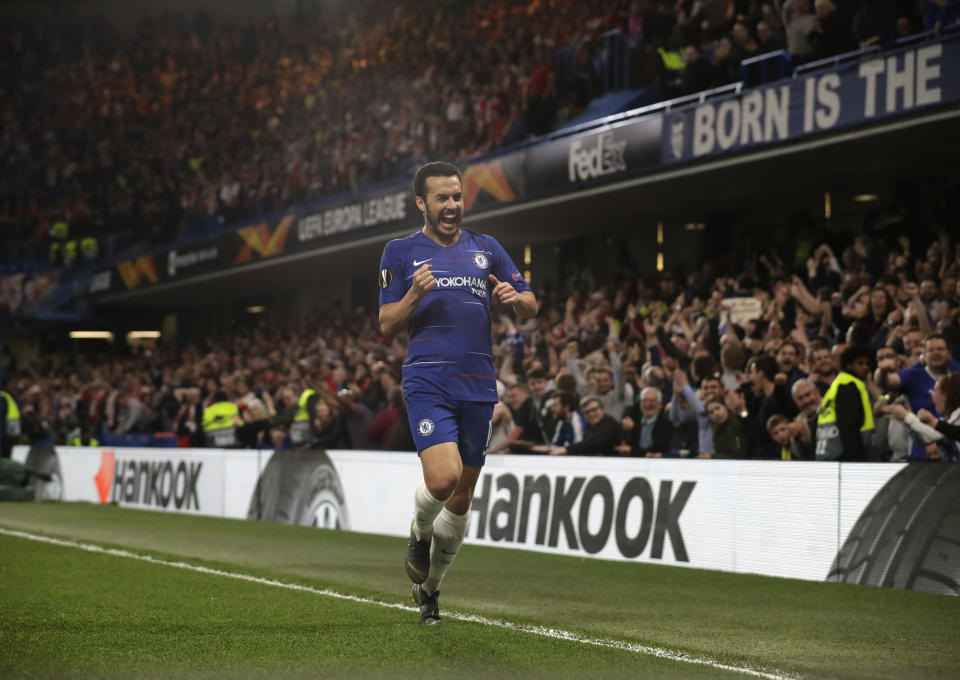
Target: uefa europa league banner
882	524
300	229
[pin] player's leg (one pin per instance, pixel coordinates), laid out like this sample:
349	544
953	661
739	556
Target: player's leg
450	526
441	472
435	433
442	467
449	530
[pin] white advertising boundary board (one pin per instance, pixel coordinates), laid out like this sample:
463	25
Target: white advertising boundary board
788	519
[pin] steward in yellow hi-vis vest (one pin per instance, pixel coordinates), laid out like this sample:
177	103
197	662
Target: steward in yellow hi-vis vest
12	417
845	425
220	420
301	431
89	248
83	440
9	424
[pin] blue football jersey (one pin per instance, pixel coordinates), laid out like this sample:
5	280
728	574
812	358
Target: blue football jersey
450	344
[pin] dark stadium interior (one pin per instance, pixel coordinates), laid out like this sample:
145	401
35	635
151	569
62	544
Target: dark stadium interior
685	386
601	243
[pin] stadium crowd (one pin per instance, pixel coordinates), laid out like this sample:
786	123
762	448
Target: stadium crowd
697	362
115	143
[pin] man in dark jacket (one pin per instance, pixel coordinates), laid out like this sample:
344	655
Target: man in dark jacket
647	429
602	435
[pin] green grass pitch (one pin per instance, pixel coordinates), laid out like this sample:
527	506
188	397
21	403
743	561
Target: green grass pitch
66	612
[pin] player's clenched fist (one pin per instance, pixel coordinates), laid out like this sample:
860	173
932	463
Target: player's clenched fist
423	280
503	291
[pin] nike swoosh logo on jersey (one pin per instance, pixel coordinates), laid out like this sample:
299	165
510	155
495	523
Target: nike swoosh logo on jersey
417	264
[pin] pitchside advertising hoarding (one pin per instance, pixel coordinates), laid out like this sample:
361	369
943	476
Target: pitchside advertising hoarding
885	524
851	95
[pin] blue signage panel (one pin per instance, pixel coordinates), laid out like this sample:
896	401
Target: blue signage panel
853	94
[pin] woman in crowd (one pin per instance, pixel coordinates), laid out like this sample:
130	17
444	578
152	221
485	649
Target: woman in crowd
729	438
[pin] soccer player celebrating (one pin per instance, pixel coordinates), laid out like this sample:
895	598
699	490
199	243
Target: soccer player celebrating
437	284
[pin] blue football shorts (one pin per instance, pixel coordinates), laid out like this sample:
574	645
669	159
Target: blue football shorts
435	420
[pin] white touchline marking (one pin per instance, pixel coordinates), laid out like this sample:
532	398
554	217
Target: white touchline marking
555	633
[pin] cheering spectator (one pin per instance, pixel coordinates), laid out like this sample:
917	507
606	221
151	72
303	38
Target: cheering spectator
917	382
647	429
766	400
729	438
799	22
710	387
570	422
383	426
831	31
873	23
767	40
943	435
604	380
778	427
788	358
697	72
806	397
527	430
822	368
940	14
601	438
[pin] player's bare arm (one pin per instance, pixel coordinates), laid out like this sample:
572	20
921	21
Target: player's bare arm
395	316
524	303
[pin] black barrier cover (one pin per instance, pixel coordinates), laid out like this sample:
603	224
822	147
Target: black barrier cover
496	181
302	228
562	164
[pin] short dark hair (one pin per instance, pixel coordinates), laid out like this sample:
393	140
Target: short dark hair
853	353
704	367
536	374
765	364
568	400
565	382
715	377
797	347
817	345
434	169
860	333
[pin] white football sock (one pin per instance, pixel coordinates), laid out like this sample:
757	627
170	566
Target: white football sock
449	530
425	510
